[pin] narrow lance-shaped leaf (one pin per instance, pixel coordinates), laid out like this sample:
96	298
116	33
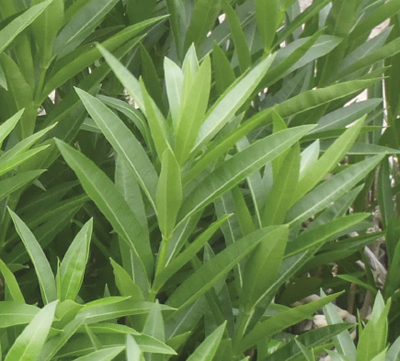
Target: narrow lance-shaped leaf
169	193
106	354
330	190
184	257
281	321
67	67
133	351
30	342
73	265
157	123
124	143
216	269
11	283
207	349
328	161
8	34
262	268
81	25
204	14
239	167
343	342
280	195
174	86
125	284
192	110
239	38
323	233
230	102
42	267
106	196
7	127
269	16
45	29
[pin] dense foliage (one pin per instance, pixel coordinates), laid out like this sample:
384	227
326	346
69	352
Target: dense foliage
195	179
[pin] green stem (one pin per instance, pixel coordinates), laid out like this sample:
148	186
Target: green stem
244	319
162	256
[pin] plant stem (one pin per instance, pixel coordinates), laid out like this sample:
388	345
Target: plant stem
244	319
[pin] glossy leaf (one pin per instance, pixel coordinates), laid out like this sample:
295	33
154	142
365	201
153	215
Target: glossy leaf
216	269
208	348
281	321
42	267
239	167
73	265
169	193
30	342
104	193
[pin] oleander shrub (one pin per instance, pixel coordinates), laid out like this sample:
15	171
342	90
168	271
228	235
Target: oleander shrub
178	177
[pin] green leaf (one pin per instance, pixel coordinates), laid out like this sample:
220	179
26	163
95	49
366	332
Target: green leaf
169	194
231	101
314	98
133	351
110	308
42	267
330	190
281	321
106	196
157	123
342	117
106	354
281	193
393	353
272	11
125	284
224	74
69	66
373	338
385	195
192	110
11	283
16	313
12	184
343	341
328	161
81	25
174	86
239	38
374	18
174	265
30	342
73	265
131	112
7	127
239	167
55	343
203	18
216	269
323	233
311	339
265	260
7	164
150	77
124	143
208	348
154	325
308	354
15	27
45	30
